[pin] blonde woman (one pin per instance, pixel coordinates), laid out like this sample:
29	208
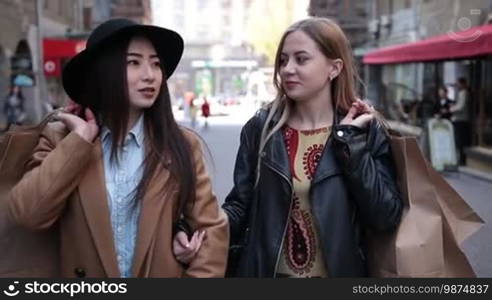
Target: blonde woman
313	169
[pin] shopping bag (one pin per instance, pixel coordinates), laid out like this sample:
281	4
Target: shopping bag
435	222
24	253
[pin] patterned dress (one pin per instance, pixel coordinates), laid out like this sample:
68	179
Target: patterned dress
302	255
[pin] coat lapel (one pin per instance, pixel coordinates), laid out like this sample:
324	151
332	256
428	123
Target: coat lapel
275	155
92	191
328	164
152	205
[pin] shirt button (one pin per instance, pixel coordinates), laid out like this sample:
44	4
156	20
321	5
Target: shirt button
119	257
340	133
79	272
120	229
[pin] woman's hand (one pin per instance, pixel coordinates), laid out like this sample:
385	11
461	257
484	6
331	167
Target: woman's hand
185	250
360	114
86	129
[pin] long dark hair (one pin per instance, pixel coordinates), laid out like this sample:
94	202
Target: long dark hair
106	94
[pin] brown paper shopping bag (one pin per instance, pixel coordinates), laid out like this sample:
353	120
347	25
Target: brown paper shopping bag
23	253
435	222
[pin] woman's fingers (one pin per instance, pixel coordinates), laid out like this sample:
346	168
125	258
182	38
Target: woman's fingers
72	108
70	120
195	244
182	239
185	250
200	240
89	116
182	248
362	120
204	234
193	240
366	107
361	106
69	108
352	112
350	115
359	114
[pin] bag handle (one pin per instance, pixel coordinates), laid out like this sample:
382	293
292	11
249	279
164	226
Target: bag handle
386	126
50	117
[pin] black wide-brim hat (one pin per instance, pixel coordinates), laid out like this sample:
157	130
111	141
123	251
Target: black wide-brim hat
167	43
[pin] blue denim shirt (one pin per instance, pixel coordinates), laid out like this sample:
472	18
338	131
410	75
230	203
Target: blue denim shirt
121	182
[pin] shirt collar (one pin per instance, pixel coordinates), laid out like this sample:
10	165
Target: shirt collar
136	133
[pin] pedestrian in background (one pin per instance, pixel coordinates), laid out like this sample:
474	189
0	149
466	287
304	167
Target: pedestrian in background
117	172
205	111
193	111
443	104
314	168
461	118
13	107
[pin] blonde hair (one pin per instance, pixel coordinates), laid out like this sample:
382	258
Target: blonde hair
333	43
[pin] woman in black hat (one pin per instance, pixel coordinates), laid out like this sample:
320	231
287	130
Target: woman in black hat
117	172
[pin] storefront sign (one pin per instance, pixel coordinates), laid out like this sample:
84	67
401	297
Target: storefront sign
441	144
57	51
52	67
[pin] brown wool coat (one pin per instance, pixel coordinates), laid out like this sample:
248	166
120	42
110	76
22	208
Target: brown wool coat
65	185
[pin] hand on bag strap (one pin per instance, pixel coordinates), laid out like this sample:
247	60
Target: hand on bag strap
50	117
80	120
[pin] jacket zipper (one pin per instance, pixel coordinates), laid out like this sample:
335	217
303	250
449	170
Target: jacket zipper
287	221
322	245
318	232
316	218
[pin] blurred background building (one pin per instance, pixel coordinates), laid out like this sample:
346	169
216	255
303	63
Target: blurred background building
39	36
352	16
21	41
230	47
406	49
416	46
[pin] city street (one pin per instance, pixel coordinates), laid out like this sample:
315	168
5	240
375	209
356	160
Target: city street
222	138
423	66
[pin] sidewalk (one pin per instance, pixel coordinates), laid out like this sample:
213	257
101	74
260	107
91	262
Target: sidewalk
476	192
476	173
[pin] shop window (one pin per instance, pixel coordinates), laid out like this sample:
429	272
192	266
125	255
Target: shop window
485	106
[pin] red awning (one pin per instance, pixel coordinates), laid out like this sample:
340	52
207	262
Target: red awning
475	41
56	49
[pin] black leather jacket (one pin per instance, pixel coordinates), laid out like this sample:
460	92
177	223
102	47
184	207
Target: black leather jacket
354	187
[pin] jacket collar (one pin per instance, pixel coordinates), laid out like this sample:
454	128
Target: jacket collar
328	164
152	206
94	201
136	133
